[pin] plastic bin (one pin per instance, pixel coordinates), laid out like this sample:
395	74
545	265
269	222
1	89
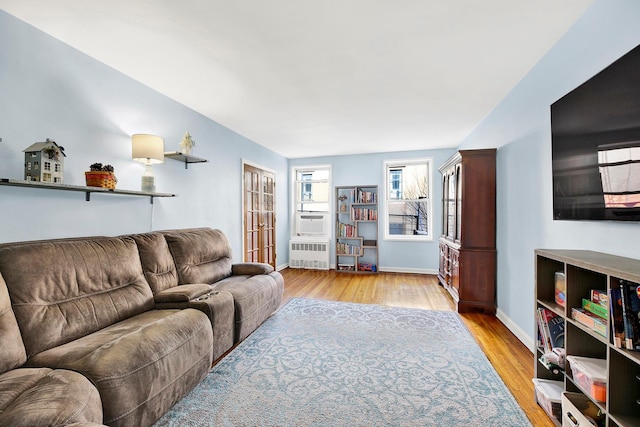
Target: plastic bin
590	375
579	411
549	396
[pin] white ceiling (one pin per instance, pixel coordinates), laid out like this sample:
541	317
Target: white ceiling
312	78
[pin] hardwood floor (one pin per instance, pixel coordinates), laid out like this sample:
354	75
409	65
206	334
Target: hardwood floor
510	358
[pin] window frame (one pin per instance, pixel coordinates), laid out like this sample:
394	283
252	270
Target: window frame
397	163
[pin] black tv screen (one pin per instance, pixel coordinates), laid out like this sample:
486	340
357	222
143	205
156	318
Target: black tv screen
595	138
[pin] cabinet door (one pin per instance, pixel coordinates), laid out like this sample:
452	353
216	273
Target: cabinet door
451	205
445	204
458	202
454	257
442	266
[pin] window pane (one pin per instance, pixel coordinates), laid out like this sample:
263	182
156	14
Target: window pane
408	218
408	203
415	182
312	190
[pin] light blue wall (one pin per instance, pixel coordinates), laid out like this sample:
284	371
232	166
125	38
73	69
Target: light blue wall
368	169
50	90
520	127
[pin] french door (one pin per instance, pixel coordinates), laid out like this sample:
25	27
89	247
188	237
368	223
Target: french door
259	215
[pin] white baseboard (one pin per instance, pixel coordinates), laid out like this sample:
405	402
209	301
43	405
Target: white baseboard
282	267
516	330
401	270
408	270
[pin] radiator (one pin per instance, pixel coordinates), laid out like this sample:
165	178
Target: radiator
309	254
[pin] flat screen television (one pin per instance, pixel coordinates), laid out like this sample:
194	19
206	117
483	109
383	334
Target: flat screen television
595	139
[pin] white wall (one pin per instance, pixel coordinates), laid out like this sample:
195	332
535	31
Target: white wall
520	127
50	90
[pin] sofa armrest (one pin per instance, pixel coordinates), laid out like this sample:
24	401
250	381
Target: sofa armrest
250	269
182	293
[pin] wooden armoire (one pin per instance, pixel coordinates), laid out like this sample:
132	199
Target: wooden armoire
467	267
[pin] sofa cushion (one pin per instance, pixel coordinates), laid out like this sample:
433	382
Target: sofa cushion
201	255
142	365
12	352
255	298
157	263
46	397
251	268
64	290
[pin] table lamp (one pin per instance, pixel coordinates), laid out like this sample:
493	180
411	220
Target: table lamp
147	149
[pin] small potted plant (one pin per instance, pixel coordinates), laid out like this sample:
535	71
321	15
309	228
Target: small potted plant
101	176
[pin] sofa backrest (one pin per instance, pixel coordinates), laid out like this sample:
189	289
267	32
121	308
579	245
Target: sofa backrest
62	290
12	352
157	263
201	255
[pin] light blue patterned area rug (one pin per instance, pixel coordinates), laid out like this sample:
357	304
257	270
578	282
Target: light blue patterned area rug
322	363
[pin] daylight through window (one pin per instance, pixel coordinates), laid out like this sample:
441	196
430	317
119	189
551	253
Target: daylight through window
408	200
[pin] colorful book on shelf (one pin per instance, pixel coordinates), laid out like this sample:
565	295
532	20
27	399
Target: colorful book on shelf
366	197
595	308
346	230
630	293
552	329
600	297
617	321
590	320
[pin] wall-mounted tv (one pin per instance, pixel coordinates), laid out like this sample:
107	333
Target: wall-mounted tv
595	138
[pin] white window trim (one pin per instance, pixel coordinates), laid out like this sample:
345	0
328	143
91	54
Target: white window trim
385	201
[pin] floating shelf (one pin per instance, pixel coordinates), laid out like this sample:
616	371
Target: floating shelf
84	189
186	158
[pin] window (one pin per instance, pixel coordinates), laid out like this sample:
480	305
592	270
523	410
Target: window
312	189
57	167
47	166
408	199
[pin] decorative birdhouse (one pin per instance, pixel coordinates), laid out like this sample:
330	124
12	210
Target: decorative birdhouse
44	161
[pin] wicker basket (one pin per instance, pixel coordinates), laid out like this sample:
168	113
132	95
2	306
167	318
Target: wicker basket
101	179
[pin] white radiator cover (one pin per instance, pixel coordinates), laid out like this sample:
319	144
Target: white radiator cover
313	254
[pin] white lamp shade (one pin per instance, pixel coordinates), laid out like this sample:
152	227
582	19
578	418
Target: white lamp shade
147	148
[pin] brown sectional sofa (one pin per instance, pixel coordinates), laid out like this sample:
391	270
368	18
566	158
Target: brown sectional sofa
121	327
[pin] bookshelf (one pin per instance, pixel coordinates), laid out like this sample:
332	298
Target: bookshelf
357	228
583	272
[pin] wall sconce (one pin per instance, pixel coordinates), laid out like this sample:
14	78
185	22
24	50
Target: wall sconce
147	149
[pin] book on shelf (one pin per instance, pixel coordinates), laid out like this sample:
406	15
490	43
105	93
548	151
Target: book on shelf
347	249
617	321
595	308
364	214
630	298
367	196
551	329
600	297
346	230
590	320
